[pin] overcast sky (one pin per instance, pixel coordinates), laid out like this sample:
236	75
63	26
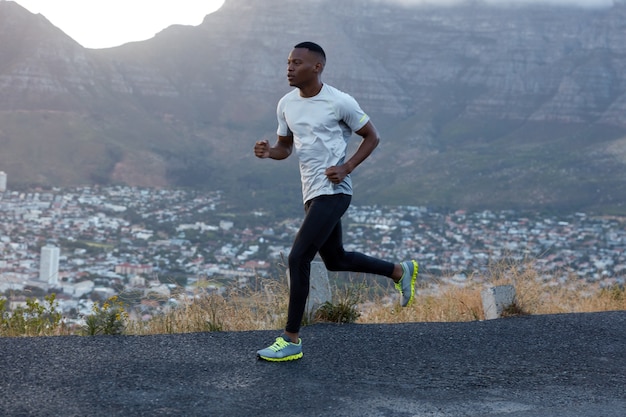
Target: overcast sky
107	23
579	3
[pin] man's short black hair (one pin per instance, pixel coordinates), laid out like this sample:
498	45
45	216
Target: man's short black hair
312	46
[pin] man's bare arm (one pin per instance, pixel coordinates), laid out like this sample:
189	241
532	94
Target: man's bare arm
281	149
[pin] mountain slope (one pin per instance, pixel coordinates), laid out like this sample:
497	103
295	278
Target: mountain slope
479	106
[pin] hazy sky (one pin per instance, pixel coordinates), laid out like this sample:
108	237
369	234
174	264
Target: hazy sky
106	23
580	3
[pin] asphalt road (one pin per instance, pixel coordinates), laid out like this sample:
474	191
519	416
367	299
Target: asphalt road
535	366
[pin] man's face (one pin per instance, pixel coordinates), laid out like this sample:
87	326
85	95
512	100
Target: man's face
303	67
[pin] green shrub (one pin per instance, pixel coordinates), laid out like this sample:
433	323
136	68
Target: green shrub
35	319
345	309
108	319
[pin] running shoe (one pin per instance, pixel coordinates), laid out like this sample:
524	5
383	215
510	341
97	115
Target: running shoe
282	350
406	285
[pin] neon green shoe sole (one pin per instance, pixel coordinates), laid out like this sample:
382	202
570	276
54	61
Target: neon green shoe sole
406	285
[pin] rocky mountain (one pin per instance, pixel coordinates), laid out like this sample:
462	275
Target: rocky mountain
479	106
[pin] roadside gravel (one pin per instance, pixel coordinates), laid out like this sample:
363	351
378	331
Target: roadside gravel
570	365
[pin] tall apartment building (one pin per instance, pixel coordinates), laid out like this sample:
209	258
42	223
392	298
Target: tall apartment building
49	265
3	181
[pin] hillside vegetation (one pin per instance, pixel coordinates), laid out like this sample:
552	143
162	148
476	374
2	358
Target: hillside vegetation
264	308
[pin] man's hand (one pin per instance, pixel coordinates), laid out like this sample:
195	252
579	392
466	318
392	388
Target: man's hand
262	149
281	150
336	174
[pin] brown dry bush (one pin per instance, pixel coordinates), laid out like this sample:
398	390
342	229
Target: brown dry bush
535	294
265	307
237	310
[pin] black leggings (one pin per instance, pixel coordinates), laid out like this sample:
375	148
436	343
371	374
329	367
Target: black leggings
321	232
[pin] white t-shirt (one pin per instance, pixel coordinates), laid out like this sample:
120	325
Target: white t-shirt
321	126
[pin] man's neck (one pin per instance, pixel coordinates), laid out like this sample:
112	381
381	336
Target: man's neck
312	90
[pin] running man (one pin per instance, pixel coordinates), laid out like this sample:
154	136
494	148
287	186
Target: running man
318	120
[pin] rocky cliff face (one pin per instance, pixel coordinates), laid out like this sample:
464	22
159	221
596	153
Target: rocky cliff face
526	63
478	102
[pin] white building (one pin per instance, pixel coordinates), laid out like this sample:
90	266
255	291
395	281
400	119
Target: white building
3	181
49	265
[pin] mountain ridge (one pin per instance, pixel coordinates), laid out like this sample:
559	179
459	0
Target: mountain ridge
478	106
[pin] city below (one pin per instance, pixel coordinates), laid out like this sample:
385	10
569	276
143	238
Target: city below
158	245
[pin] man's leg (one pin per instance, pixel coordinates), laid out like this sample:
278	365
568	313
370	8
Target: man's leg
321	231
335	258
322	215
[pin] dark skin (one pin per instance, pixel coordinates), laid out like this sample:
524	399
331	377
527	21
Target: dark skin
304	71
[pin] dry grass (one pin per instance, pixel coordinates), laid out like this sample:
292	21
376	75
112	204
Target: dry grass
238	310
534	295
265	308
